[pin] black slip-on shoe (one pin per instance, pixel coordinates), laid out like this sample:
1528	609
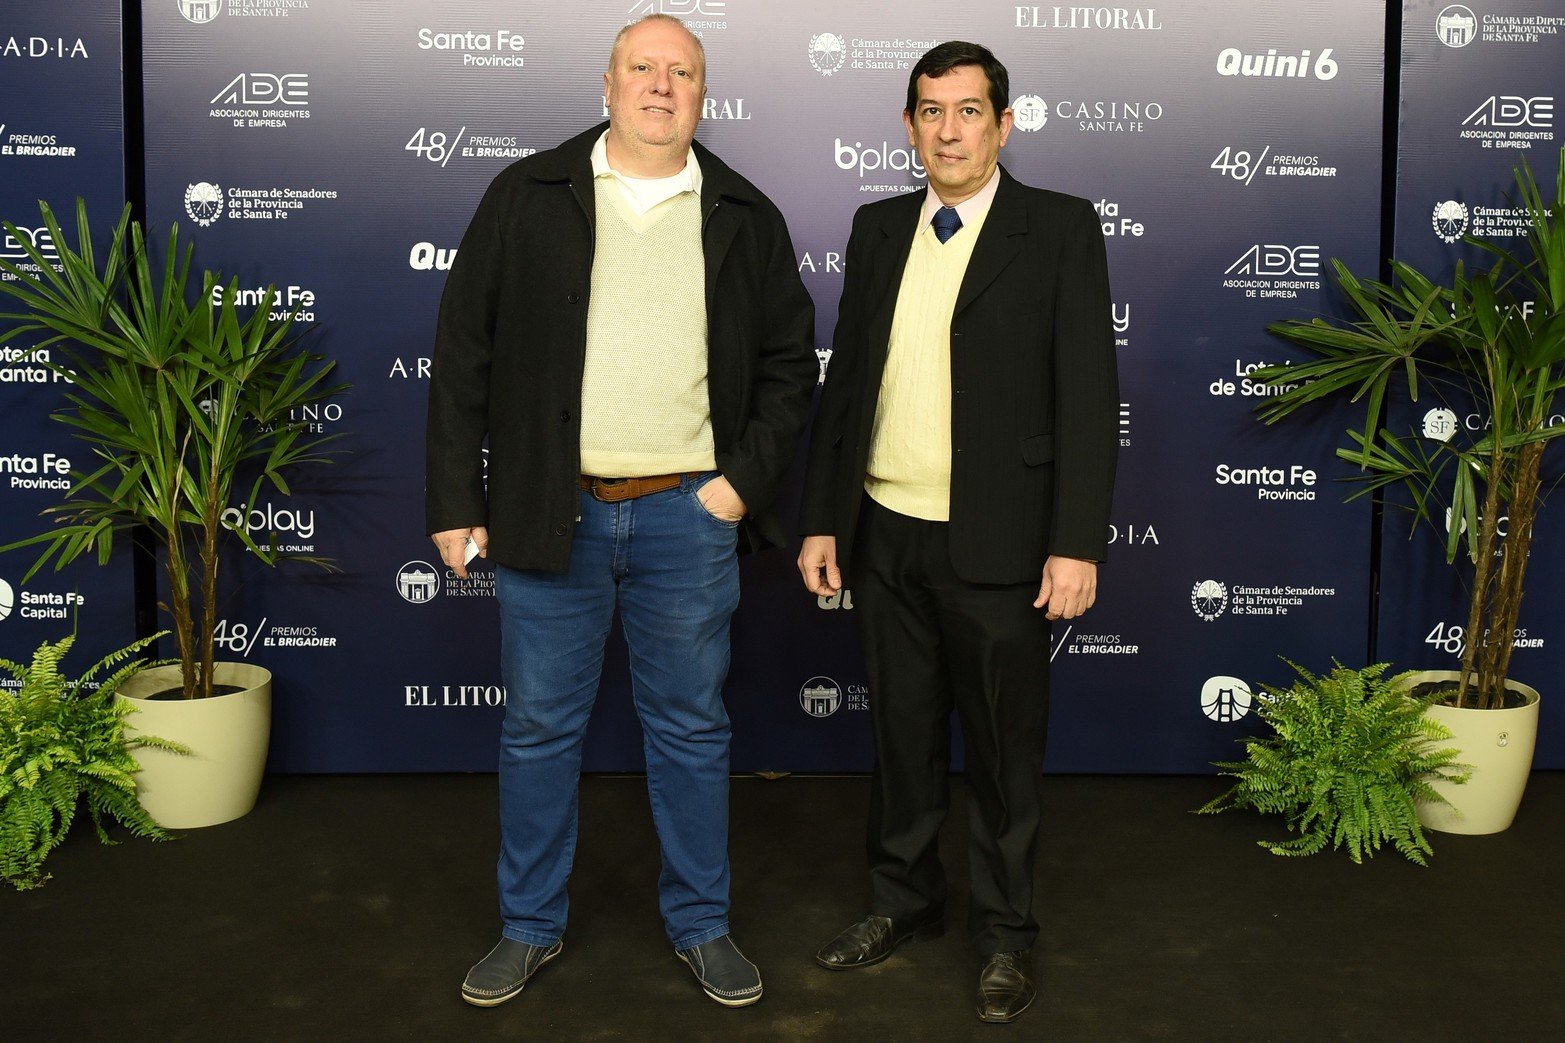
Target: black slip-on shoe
1005	987
723	971
871	940
505	971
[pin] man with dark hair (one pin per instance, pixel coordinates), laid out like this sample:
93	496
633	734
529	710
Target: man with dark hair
960	473
625	324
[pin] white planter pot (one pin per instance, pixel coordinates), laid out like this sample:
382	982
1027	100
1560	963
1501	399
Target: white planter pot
227	736
1498	744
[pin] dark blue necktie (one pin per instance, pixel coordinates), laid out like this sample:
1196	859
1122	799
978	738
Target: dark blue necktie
946	222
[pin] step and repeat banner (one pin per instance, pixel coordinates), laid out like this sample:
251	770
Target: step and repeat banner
329	153
1480	85
61	137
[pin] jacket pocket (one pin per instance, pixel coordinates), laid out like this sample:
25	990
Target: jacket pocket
1037	449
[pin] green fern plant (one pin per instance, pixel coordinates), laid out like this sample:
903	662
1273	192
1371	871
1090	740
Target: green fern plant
63	744
1349	757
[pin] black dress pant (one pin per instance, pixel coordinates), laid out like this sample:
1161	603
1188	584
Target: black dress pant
933	640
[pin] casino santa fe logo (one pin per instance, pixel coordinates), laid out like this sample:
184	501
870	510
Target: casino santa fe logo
1029	112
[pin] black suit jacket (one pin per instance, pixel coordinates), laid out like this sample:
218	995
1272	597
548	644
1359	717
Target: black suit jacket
512	339
1035	397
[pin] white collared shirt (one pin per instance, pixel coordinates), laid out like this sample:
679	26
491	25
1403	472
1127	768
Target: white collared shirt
969	208
641	194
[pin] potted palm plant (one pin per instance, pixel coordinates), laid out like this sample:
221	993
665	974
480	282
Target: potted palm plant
1491	340
181	399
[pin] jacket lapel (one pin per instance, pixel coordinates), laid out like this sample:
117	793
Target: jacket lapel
719	225
999	242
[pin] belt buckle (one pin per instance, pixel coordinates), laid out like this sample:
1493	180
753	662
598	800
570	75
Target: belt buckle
612	490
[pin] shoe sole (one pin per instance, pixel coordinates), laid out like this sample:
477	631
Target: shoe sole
923	934
495	1001
724	1000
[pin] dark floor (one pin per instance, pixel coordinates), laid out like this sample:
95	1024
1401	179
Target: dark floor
348	908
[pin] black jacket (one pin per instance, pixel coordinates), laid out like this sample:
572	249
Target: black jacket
511	345
1035	398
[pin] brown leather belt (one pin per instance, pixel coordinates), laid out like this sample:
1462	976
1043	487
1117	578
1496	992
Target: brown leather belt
613	490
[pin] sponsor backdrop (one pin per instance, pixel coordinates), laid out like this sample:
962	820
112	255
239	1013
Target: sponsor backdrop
330	154
1480	84
60	138
335	152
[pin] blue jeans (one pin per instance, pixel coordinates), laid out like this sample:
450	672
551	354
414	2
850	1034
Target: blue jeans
671	569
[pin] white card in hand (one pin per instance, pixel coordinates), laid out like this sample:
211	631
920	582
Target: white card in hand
469	552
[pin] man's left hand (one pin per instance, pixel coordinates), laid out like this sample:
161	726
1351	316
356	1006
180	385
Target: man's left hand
1070	586
720	500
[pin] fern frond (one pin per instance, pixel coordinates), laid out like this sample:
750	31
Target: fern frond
62	746
1349	757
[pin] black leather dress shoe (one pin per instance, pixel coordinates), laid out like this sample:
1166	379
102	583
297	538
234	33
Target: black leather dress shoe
1004	987
871	940
505	971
